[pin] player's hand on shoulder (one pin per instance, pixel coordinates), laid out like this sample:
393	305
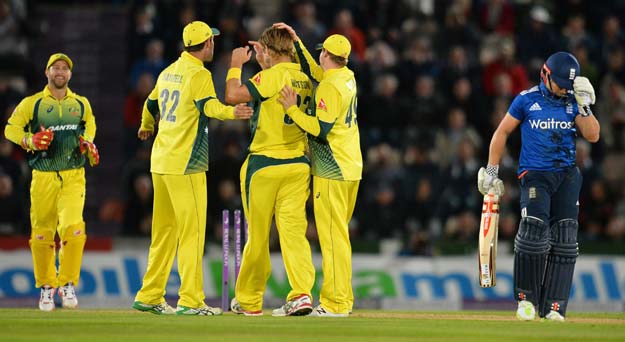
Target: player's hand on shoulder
583	91
288	97
144	134
243	111
488	178
240	56
288	28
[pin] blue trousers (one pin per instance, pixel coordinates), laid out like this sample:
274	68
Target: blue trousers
551	196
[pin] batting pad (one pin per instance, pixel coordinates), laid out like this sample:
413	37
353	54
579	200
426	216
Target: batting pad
70	254
43	251
560	267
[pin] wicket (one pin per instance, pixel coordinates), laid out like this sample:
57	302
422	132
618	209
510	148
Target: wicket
225	244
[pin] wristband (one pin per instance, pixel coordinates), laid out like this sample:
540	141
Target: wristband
233	73
27	142
492	170
586	111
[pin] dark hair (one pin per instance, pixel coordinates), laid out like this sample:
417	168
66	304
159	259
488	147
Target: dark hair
196	47
337	59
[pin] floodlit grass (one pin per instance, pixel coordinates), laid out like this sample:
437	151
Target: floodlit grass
128	325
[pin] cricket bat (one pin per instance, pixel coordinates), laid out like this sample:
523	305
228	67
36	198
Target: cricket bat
489	225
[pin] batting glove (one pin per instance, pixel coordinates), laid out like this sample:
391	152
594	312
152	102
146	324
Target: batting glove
583	91
39	141
90	150
488	178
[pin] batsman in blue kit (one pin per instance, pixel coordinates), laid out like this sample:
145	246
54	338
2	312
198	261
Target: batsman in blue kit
551	115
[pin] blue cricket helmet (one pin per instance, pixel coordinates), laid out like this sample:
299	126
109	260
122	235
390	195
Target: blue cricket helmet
562	67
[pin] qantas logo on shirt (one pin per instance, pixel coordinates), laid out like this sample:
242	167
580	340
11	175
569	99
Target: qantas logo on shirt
322	105
257	79
64	127
550	124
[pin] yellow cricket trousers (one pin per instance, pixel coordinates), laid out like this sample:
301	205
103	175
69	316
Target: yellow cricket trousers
57	200
178	224
277	187
334	204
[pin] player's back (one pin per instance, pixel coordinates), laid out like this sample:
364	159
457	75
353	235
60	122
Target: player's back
181	145
274	134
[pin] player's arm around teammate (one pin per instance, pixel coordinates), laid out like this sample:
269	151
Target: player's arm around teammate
336	165
57	127
306	60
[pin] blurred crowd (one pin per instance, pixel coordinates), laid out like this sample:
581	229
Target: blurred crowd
434	77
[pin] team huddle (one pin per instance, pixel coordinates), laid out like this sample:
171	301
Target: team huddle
297	130
285	118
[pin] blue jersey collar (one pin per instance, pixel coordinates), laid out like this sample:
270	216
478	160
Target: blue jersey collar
549	96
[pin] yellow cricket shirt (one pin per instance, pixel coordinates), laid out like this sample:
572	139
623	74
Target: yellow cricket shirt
274	134
334	138
183	99
69	118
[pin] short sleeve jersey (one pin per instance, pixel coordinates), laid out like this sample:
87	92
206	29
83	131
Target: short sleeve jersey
548	129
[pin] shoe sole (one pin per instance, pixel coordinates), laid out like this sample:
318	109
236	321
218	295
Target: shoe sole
302	311
281	314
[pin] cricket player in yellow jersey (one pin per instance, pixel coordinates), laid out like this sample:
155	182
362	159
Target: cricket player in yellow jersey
334	142
56	126
275	176
183	99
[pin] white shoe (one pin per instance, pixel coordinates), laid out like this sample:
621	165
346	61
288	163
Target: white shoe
526	311
298	306
237	309
554	316
68	296
46	301
319	311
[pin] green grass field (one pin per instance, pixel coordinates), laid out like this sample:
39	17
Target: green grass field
127	325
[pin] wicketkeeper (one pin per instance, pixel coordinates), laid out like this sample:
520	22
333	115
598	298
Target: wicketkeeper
57	127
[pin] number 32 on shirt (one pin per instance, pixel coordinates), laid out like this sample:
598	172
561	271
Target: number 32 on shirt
169	100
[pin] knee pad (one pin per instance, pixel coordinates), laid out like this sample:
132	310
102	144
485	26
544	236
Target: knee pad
43	249
564	239
38	235
70	255
531	246
560	267
532	237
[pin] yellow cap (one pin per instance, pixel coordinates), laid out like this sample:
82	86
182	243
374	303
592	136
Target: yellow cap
197	32
337	45
59	56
